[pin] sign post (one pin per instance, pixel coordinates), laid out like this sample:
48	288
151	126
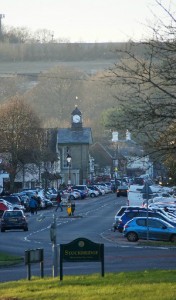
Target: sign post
146	191
81	250
34	256
54	246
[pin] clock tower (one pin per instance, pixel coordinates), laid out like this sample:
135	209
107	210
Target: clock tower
73	143
76	119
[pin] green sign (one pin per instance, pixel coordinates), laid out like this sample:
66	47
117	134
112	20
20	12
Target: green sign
81	250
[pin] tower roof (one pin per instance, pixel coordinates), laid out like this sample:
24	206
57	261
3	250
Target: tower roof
76	111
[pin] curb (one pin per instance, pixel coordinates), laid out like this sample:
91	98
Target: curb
117	238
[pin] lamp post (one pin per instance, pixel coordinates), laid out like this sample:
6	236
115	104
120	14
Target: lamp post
115	139
1	17
69	158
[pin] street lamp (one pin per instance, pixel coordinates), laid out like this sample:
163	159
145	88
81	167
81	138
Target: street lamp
115	139
69	158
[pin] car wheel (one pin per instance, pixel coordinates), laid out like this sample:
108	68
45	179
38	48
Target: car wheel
132	237
92	195
2	230
25	228
72	197
173	238
114	228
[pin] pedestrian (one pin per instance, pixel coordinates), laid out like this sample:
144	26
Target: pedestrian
38	200
32	205
72	207
59	202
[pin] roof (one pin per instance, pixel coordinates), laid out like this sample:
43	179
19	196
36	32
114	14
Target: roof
70	136
76	111
100	154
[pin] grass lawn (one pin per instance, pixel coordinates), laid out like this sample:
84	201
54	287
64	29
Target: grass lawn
160	285
149	285
8	259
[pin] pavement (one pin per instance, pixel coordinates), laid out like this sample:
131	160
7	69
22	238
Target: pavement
118	239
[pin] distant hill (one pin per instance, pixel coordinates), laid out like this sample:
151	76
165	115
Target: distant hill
27	68
62	52
23	68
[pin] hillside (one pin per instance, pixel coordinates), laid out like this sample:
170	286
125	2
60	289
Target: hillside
56	77
55	98
36	67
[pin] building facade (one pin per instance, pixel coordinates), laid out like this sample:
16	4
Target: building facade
73	147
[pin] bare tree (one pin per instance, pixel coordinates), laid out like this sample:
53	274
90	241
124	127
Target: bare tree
146	95
16	34
20	135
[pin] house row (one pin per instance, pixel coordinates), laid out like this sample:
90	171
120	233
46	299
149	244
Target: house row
78	160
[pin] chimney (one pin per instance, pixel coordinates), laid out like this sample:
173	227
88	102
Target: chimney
115	137
128	135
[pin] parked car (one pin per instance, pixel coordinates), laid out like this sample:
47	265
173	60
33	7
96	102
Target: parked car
24	200
8	204
122	190
72	195
4	207
128	215
81	187
149	228
120	212
13	219
135	196
44	202
106	187
15	201
93	193
99	189
94	188
83	194
124	208
50	196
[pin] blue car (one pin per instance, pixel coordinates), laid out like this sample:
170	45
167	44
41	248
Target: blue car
82	193
149	228
128	215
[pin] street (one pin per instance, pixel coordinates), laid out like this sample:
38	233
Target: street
92	220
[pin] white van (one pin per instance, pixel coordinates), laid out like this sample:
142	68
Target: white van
135	195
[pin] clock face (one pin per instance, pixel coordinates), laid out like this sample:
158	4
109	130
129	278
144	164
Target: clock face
76	118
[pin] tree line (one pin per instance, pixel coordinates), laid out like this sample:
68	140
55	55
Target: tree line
20	44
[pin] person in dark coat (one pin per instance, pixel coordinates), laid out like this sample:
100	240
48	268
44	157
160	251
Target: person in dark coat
38	200
59	200
32	205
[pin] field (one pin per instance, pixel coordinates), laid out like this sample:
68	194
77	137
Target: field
147	285
89	67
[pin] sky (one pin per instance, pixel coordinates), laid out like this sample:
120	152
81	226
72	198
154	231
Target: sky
84	20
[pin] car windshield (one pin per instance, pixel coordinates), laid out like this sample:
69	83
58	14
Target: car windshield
13	214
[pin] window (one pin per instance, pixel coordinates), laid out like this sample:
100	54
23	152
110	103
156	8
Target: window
131	214
65	151
141	222
155	224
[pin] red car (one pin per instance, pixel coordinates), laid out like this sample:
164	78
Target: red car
3	207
